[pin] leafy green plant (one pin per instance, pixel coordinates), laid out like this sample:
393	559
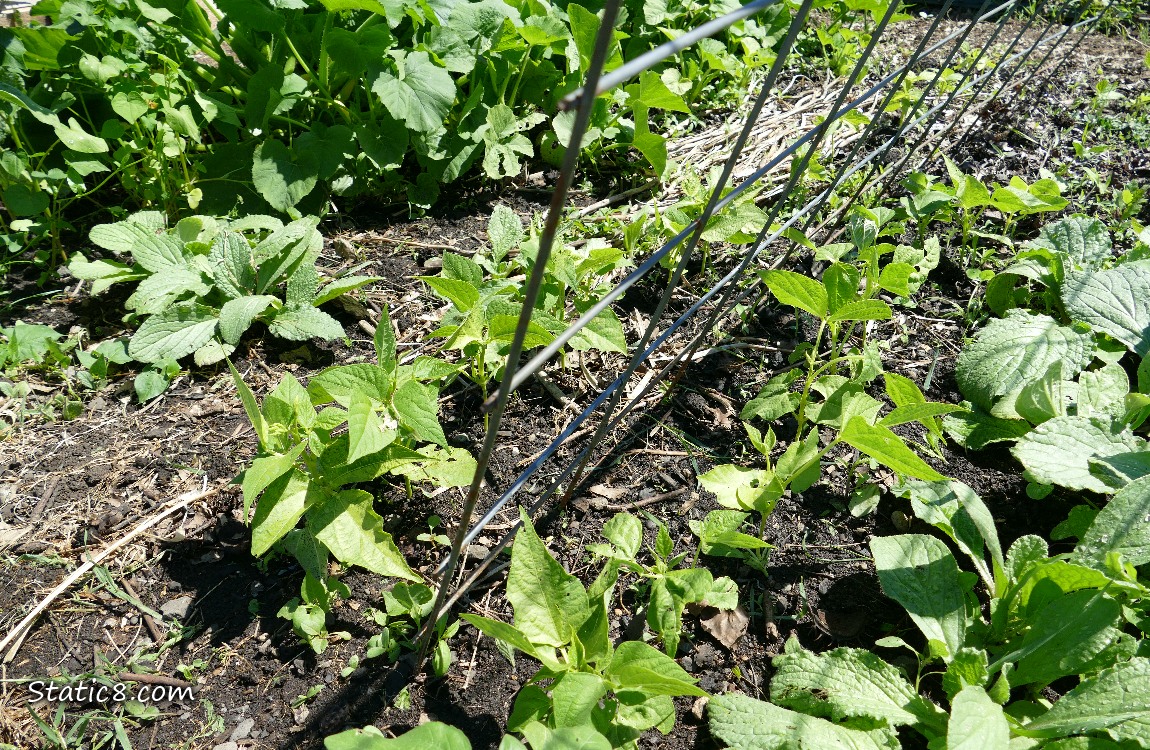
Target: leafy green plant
585	682
203	283
486	300
308	468
1051	618
665	588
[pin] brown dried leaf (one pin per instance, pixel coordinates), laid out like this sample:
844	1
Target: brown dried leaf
727	627
611	493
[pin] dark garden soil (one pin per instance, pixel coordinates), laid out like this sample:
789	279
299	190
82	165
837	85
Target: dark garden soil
71	486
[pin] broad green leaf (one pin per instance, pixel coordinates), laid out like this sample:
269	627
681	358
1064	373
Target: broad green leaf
976	722
1083	239
433	734
340	382
102	273
848	683
625	531
418	408
1059	450
160	291
504	231
867	309
366	432
1020	198
1121	527
743	723
841	281
347	525
1116	701
1102	392
918	413
459	293
1115	301
975	429
919	573
887	448
586	737
153	252
733	485
603	333
895	278
303	322
653	93
230	264
1009	353
419	92
509	634
173	334
236	315
283	176
264	471
443	467
1065	636
550	604
574	695
502	328
279	509
279	254
640	666
797	290
212	352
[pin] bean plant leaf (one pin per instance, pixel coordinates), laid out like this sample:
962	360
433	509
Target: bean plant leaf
346	524
1013	351
1059	451
550	604
1115	301
432	734
881	444
919	573
279	509
638	665
797	290
744	723
603	333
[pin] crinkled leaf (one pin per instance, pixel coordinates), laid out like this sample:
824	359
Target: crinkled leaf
1059	450
744	723
1121	527
1115	301
303	322
236	315
173	334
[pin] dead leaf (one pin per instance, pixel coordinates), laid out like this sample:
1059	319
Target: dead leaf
611	493
10	534
727	627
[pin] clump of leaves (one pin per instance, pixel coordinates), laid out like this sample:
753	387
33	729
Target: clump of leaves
203	283
309	466
585	683
664	587
1051	618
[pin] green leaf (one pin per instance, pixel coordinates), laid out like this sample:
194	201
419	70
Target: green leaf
1059	451
1115	301
550	604
283	176
347	525
279	254
303	322
975	429
797	290
603	333
841	281
1009	353
734	485
848	683
174	333
743	723
642	667
280	507
919	573
418	408
149	384
504	231
459	293
420	93
1120	527
924	413
573	696
895	278
236	315
153	252
433	734
251	408
1065	637
866	309
1082	239
887	448
230	264
501	631
1116	701
340	382
366	432
343	286
653	93
502	328
976	722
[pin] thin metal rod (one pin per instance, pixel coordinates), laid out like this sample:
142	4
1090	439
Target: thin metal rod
653	57
603	41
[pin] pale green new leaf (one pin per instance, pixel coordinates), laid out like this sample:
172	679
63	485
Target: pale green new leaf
603	333
343	286
433	734
743	723
918	572
346	524
366	432
976	722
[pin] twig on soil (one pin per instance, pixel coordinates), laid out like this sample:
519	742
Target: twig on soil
533	457
414	243
153	679
16	636
149	621
616	198
43	502
619	507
